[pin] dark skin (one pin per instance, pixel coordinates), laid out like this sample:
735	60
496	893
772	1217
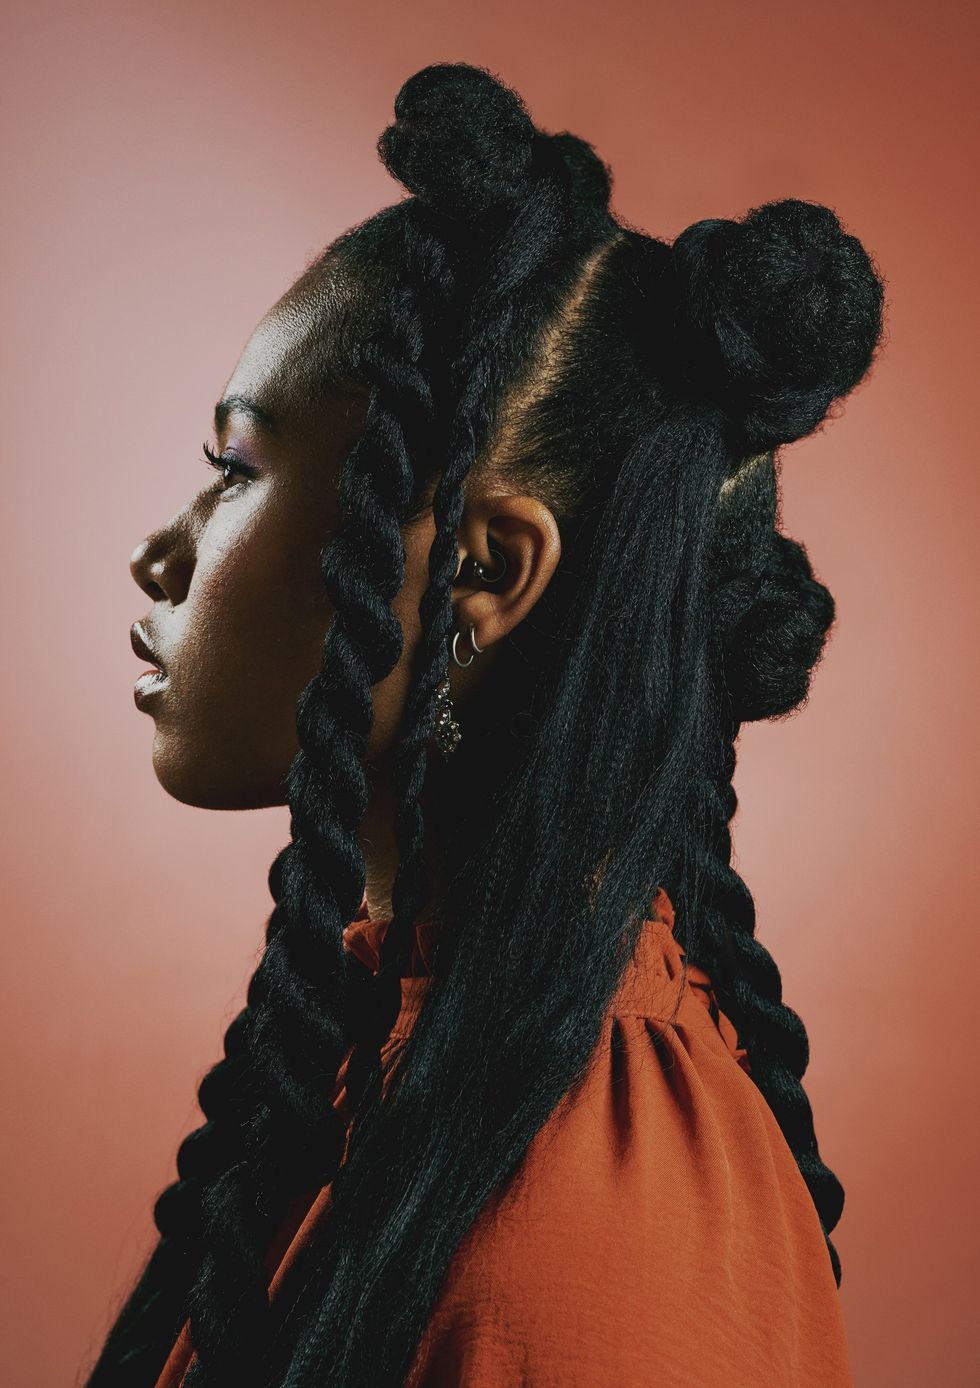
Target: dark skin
240	614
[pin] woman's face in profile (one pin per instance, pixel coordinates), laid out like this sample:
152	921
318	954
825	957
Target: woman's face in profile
239	612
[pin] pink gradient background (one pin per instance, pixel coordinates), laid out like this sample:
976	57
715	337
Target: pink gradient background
168	170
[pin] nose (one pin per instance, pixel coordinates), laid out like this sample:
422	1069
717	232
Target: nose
160	568
142	568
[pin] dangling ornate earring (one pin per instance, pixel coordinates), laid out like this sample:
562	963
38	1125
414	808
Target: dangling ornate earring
447	731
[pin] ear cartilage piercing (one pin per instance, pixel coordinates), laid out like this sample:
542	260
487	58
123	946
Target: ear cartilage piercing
481	572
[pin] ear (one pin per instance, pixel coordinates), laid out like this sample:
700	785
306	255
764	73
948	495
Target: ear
509	534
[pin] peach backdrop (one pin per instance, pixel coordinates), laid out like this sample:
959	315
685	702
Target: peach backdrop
168	171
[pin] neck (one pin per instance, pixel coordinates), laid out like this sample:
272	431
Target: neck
380	851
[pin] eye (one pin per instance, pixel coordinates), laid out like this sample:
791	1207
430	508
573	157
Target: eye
227	464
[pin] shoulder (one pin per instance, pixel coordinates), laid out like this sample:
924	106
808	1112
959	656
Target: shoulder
651	1216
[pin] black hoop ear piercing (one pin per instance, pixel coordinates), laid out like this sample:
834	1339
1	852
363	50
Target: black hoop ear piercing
481	572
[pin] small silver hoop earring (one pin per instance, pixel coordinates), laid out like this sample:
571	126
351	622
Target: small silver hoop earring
477	650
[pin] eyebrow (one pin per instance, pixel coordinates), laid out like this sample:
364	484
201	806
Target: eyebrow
243	405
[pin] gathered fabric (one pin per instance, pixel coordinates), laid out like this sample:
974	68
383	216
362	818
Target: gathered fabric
658	1233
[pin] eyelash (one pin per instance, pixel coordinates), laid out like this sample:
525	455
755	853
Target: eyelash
222	463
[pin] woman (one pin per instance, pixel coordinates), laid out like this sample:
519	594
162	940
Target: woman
488	580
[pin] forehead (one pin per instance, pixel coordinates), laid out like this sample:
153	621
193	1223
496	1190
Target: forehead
299	353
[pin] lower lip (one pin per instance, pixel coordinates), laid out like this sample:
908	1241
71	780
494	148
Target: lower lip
148	686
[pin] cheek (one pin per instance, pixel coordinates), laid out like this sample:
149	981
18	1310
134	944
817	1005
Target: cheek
249	609
252	630
257	590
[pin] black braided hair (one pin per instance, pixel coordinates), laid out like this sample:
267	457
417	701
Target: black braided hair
516	194
773	317
771	620
298	1144
626	383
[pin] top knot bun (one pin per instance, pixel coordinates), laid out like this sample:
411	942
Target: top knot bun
776	315
461	141
464	144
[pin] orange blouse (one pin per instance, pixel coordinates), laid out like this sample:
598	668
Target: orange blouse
658	1232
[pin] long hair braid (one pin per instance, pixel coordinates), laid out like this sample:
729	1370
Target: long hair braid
746	979
322	869
771	616
507	195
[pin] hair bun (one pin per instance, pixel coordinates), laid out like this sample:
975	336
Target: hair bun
462	141
777	315
464	144
591	177
773	627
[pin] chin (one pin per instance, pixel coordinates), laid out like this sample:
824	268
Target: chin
197	780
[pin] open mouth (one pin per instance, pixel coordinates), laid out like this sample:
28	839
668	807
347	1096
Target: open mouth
151	682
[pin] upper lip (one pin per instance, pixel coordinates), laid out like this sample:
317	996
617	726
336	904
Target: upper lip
142	646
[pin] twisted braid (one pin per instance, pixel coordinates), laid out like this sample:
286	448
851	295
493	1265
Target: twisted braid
749	992
155	1309
527	187
322	871
770	623
773	318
